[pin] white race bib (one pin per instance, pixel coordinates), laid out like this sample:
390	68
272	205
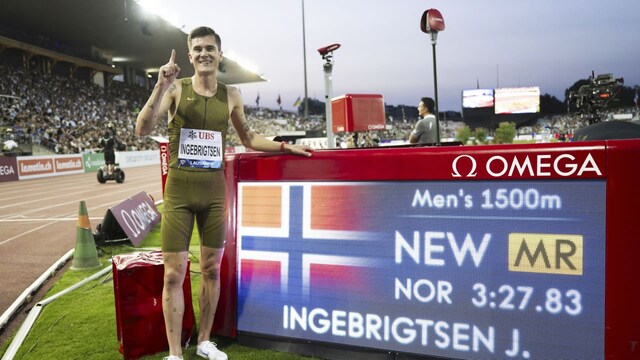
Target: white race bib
200	149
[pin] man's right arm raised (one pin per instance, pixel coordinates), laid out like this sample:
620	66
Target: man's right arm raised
155	110
162	98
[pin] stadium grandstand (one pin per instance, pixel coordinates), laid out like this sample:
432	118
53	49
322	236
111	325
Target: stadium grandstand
62	78
65	76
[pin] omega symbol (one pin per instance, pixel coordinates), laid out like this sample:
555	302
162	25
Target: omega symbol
472	171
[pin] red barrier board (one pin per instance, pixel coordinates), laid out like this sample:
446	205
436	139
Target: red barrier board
138	282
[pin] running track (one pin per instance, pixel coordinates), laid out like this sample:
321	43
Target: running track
38	220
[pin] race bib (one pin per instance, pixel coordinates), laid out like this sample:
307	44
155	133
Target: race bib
200	149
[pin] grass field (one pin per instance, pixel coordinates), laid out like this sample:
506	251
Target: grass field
82	324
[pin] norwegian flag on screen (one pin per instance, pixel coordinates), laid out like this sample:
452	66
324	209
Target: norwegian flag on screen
299	240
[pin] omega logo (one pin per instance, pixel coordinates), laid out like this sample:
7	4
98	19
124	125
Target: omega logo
472	172
540	165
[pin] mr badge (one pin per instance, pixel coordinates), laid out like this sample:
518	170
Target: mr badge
546	253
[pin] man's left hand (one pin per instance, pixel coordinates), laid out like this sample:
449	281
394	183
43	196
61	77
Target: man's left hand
303	150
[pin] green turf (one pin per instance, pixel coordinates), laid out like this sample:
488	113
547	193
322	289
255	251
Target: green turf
82	324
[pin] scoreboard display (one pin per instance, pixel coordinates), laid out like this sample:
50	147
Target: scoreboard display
521	100
477	98
472	270
475	252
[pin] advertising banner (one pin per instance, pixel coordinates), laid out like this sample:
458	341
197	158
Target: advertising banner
30	167
163	146
8	169
471	269
136	216
35	166
164	163
69	164
137	158
93	162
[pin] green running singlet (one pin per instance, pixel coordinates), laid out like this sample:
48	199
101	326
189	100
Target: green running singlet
193	193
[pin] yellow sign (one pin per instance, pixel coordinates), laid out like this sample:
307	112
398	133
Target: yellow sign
546	253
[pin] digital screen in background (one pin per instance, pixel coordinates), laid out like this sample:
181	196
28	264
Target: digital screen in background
465	269
477	98
520	100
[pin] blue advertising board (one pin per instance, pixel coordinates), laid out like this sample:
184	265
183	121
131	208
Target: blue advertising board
466	269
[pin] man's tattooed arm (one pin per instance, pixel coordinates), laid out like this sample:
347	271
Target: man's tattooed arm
155	110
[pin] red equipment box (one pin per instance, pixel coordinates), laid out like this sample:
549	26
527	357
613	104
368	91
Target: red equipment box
137	284
357	112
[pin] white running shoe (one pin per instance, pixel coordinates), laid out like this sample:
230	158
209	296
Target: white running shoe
208	350
172	357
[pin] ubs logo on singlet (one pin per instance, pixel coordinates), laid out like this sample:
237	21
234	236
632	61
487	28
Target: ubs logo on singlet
200	135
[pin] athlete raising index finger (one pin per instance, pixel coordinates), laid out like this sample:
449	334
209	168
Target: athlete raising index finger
195	189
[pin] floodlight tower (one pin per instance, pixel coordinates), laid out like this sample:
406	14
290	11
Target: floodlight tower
431	23
327	55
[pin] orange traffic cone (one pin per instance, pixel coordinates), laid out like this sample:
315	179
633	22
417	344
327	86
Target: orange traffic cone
86	254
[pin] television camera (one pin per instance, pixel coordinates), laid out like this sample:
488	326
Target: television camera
593	98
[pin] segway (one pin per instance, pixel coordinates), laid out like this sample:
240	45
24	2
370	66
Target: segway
117	175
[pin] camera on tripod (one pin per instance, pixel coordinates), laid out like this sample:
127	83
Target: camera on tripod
593	98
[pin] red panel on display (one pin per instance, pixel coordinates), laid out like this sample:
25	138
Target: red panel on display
488	162
225	321
357	112
623	250
138	282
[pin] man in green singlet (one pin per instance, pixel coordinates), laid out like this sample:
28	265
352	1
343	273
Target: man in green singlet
198	110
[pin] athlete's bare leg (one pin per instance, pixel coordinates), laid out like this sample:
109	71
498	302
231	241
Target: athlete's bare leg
175	270
210	260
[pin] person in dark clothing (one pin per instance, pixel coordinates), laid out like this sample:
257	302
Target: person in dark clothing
109	143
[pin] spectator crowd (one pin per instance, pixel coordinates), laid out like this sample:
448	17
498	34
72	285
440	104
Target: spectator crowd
69	116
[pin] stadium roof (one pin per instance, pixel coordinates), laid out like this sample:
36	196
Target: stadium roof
120	30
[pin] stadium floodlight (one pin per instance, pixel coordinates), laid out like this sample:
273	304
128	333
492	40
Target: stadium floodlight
163	12
327	54
243	63
431	23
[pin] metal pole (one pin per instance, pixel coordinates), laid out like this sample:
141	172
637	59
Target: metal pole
304	54
328	67
435	92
